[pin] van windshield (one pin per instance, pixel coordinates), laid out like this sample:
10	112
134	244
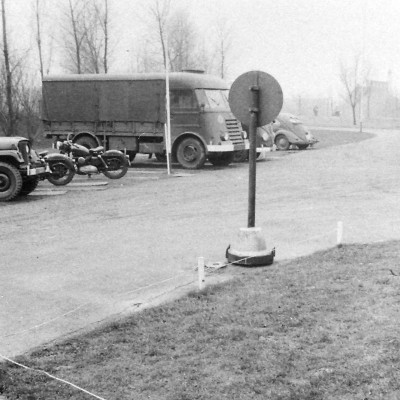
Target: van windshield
216	99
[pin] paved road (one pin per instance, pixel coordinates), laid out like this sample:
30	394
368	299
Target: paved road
69	259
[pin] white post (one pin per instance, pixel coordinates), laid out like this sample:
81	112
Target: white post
339	233
200	269
168	122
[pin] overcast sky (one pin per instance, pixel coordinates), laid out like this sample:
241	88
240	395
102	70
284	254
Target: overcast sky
300	42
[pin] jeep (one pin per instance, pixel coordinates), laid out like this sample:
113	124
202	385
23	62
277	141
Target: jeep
21	168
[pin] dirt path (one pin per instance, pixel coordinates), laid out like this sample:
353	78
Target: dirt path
71	259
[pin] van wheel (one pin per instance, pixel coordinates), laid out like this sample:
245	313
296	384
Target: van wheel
10	182
87	141
191	153
282	142
221	159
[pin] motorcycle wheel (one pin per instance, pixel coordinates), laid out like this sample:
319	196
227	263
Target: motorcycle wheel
117	167
61	174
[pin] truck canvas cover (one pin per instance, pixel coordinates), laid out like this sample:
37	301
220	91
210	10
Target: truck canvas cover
89	98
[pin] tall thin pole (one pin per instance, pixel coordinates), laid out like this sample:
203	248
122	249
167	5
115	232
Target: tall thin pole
168	124
362	68
254	94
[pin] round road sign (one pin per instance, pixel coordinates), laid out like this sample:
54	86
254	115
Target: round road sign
270	97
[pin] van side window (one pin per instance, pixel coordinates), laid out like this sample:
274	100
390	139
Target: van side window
183	99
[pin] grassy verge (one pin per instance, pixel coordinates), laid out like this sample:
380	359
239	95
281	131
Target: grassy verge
319	327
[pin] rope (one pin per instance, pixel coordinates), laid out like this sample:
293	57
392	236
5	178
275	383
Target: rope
52	376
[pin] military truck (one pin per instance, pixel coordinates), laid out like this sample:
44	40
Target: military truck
128	113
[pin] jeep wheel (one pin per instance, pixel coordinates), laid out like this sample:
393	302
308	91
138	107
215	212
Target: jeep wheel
29	185
10	182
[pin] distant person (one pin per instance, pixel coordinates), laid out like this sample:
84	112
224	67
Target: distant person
315	109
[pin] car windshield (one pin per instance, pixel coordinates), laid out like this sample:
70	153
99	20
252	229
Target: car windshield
216	98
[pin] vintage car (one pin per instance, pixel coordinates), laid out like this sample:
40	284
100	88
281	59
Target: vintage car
290	131
21	168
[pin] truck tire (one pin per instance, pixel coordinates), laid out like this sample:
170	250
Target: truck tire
87	141
221	159
10	182
190	153
29	185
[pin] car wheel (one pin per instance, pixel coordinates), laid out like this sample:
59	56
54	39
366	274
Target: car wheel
10	182
302	146
282	142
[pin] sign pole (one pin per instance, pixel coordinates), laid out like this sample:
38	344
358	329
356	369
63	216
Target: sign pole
251	219
255	99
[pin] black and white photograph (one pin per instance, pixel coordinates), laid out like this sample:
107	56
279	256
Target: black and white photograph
199	200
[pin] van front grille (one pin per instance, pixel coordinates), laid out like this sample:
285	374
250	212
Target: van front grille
234	130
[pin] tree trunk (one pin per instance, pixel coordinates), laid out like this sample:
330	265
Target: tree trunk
354	115
39	38
10	125
105	36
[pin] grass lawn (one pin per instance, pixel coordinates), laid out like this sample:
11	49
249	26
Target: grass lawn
324	326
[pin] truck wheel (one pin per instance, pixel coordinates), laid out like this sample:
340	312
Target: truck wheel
87	141
29	185
221	159
61	173
282	142
10	182
191	153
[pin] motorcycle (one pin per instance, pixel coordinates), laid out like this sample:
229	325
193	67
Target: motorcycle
77	159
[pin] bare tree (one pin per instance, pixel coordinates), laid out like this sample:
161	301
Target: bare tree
39	36
95	46
164	25
44	43
10	131
160	11
183	40
354	78
224	42
87	41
